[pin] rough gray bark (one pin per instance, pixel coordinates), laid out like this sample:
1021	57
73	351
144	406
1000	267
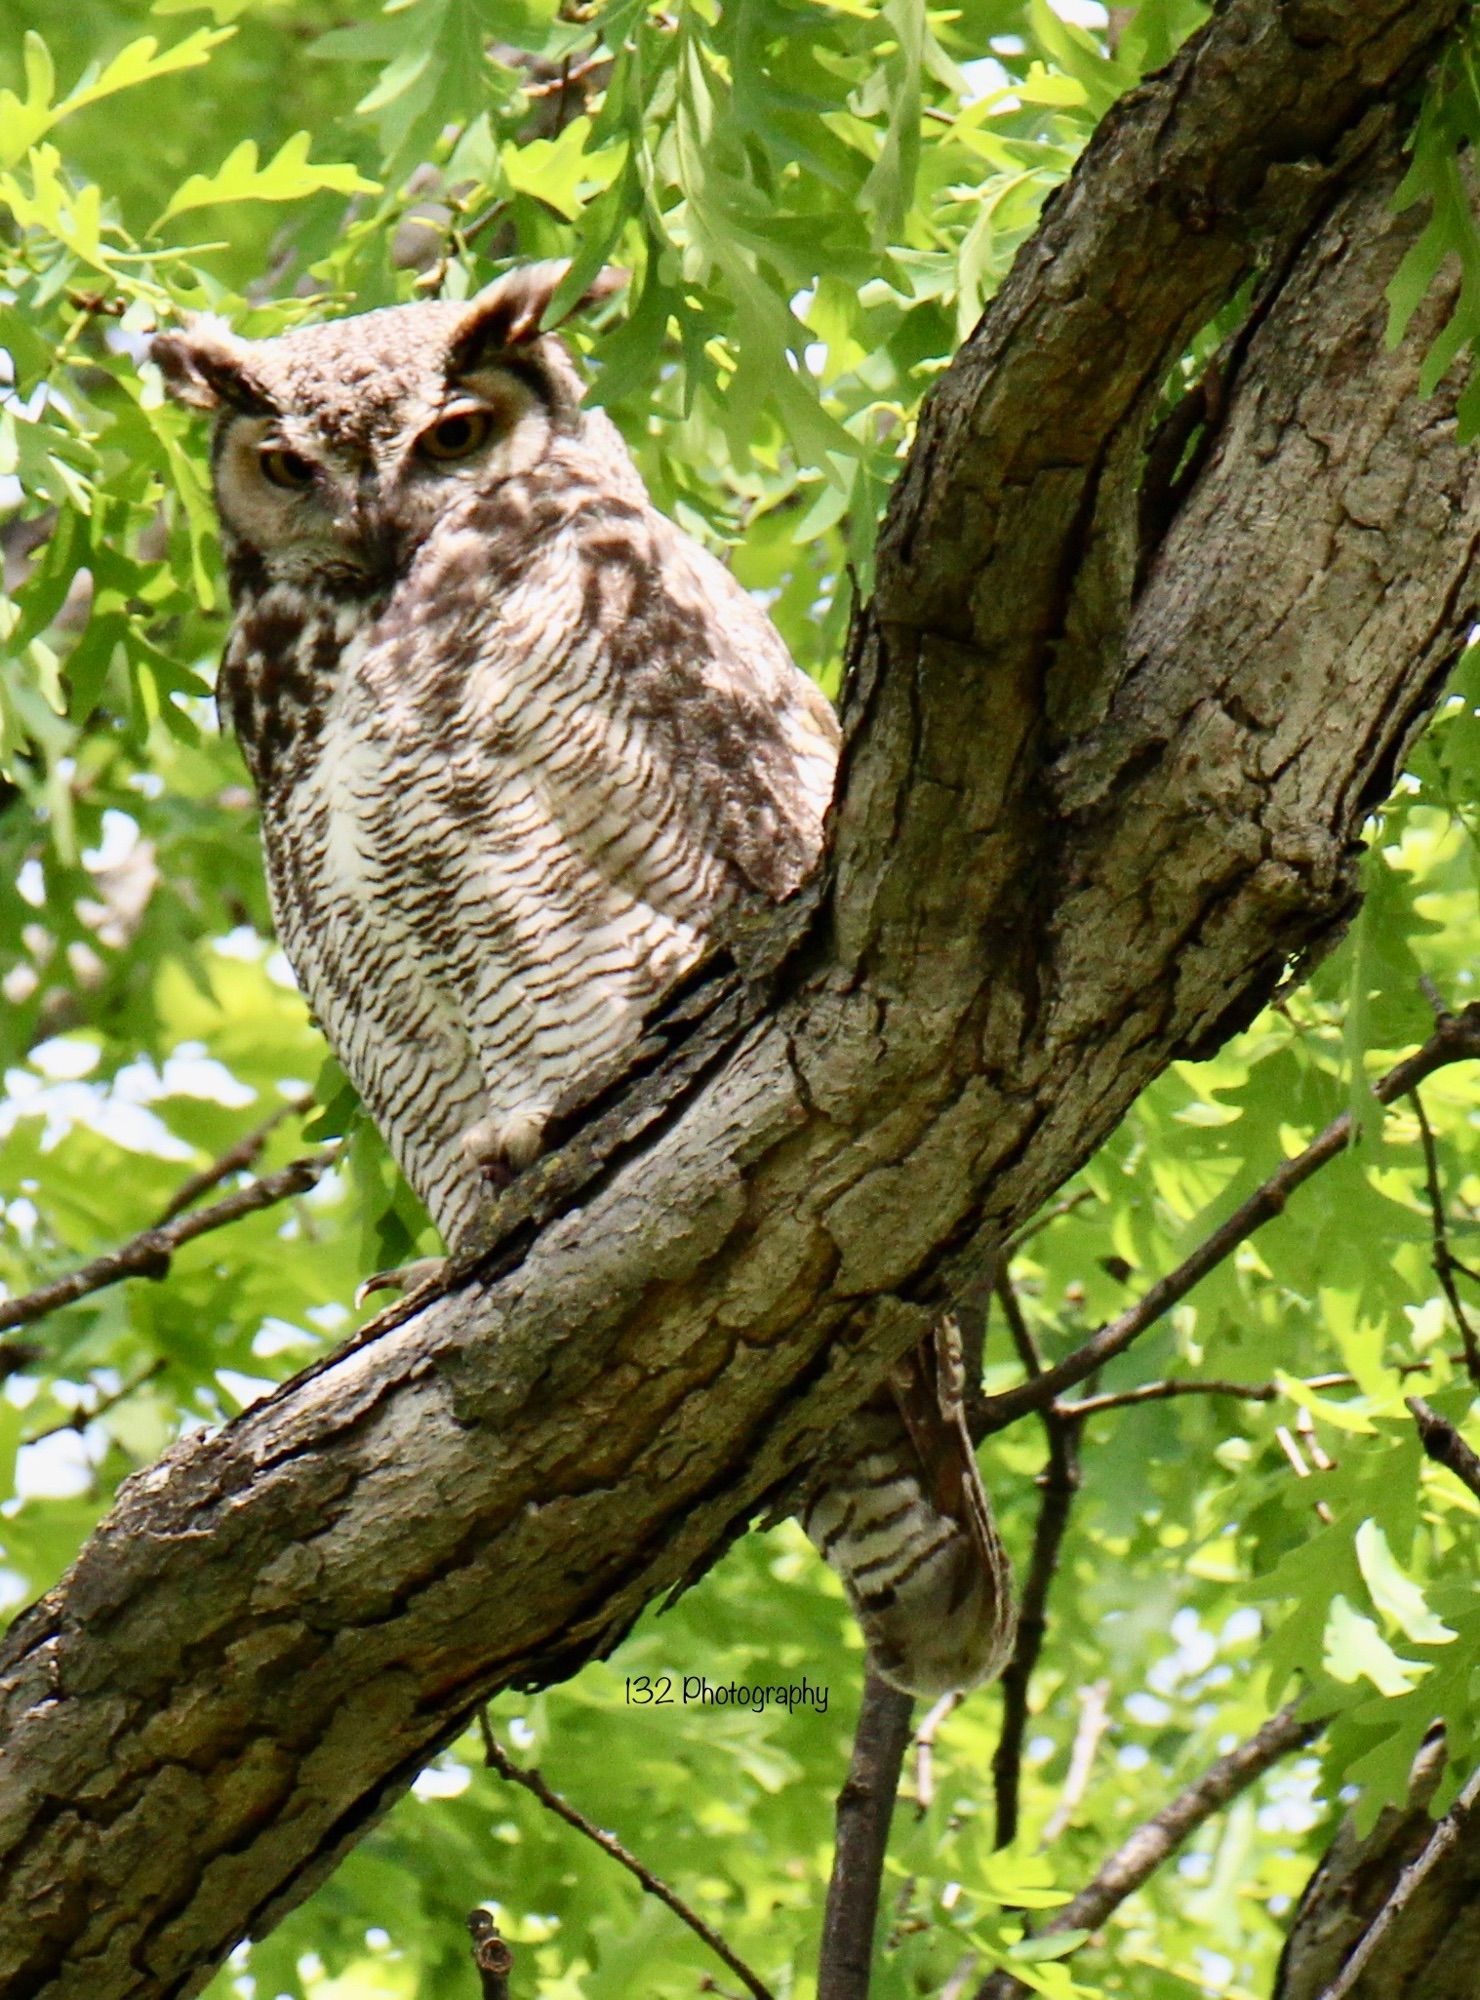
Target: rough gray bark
1100	792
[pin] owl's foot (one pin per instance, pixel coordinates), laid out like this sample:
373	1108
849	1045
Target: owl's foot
501	1146
404	1278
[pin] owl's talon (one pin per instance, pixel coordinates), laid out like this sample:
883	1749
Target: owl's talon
501	1147
404	1278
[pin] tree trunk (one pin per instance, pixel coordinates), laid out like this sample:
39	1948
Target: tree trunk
1110	748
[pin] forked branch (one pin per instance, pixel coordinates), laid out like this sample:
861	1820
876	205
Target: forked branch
1455	1039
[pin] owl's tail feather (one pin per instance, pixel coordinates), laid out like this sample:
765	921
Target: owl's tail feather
901	1514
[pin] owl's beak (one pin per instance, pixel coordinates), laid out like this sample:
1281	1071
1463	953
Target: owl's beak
365	528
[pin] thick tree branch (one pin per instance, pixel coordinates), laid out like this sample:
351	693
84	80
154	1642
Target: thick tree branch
1096	798
1428	1946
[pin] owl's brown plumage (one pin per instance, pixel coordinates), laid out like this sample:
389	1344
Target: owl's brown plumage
519	741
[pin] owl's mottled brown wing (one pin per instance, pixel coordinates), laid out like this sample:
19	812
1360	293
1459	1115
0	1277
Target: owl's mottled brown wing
751	742
928	1388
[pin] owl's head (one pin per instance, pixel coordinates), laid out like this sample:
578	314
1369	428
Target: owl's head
340	447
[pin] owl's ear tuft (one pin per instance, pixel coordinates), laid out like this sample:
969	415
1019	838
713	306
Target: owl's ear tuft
508	313
208	366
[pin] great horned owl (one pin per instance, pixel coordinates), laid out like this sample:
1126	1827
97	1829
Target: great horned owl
520	743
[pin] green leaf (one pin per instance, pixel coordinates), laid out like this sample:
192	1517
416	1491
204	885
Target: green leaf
1396	1595
24	122
1356	1650
288	176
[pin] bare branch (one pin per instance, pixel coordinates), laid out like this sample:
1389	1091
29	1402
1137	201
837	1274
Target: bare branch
1120	19
925	1750
1296	1459
237	1159
1444	1839
1045	1219
865	1808
1138	1858
499	1760
1455	1039
80	1418
1243	1392
1444	1265
1444	1444
1094	1719
14	1356
148	1254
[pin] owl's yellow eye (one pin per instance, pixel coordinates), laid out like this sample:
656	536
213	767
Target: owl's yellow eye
459	434
288	469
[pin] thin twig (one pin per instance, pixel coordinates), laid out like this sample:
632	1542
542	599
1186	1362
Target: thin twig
1055	1211
1456	1039
1436	1000
865	1807
16	1355
80	1418
1244	1392
569	74
1288	1443
148	1254
1305	1426
1441	1843
1120	19
1058	1483
1094	1719
960	1977
499	1760
1018	1328
1444	1264
925	1750
1444	1444
237	1159
470	231
1138	1858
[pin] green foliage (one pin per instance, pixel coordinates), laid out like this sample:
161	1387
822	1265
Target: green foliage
814	201
1442	175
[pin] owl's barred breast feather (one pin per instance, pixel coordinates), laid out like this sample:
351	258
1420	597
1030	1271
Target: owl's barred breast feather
520	743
